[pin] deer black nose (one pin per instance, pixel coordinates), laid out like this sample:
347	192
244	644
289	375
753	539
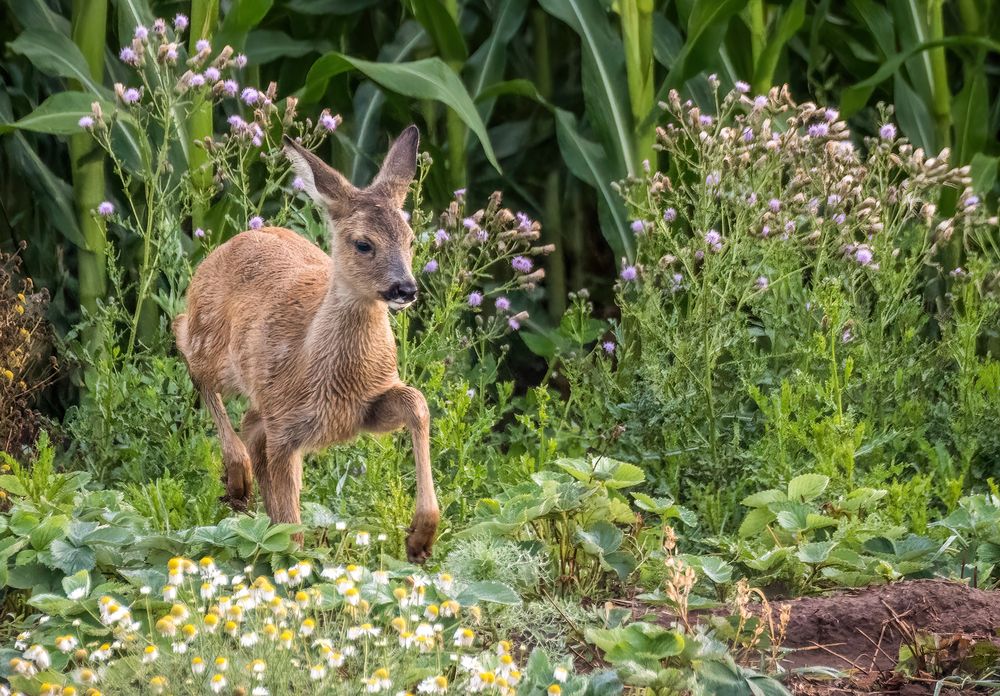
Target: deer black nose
405	291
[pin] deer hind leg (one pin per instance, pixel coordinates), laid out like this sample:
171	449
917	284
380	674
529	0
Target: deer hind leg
282	484
403	406
238	476
254	438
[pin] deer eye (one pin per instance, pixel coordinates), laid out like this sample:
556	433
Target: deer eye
363	247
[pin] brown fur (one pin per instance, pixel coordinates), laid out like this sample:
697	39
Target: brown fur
306	338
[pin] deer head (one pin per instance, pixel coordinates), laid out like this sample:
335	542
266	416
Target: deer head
372	245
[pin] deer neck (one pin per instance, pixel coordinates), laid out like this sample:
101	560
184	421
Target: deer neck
347	330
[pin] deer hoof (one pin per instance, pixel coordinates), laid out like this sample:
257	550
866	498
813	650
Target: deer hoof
420	539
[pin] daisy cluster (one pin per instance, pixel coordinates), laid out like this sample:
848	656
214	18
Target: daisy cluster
302	628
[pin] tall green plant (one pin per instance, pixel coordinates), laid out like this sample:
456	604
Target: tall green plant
87	162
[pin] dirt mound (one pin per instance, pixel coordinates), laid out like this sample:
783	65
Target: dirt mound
864	628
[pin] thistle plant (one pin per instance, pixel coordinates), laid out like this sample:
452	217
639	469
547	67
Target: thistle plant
779	301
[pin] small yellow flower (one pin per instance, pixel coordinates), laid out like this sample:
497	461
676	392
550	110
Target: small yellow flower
69	691
179	611
270	630
257	666
189	631
93	692
399	623
307	627
286	638
166	626
554	690
9	375
221	664
87	676
158	684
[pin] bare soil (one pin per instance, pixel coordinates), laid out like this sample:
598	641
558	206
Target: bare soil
860	632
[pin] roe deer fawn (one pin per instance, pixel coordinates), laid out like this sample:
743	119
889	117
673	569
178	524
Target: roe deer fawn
306	337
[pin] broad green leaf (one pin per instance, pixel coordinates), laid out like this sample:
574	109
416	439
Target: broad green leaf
59	114
971	112
10	484
589	162
50	528
857	95
815	552
266	45
317	515
700	48
71	559
766	561
764	498
601	538
441	27
55	54
621	562
243	15
429	78
755	521
486	66
488	591
807	487
716	569
52	604
77	585
984	172
791	20
604	79
611	472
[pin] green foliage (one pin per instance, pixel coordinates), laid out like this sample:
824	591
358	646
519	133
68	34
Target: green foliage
573	518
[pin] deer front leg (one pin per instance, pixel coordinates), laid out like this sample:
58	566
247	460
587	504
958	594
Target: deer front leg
403	406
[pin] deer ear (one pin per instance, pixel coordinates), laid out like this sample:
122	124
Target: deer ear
399	168
324	184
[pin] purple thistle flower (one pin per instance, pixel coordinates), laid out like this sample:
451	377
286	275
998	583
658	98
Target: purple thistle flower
742	87
863	255
958	272
847	336
502	304
128	56
212	74
180	22
202	46
514	324
328	121
171	55
819	130
196	80
523	222
677	282
159	26
774	204
141	33
759	102
832	115
106	209
481	235
459	192
240	60
714	239
887	132
713	179
236	122
748	135
521	264
762	283
440	237
705	120
699	255
609	347
131	95
752	198
475	298
833	199
765	231
298	184
85	122
250	96
669	215
629	273
840	218
971	202
256	222
230	88
470	223
431	266
199	233
638	226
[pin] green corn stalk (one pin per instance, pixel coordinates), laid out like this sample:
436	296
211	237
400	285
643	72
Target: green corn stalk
757	11
87	165
204	17
941	105
453	123
555	278
637	37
